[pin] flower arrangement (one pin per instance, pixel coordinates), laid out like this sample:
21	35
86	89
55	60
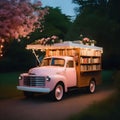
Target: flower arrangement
47	41
93	42
87	41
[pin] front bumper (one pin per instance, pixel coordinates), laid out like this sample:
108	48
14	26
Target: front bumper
33	89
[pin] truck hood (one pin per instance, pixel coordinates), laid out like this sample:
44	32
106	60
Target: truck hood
46	71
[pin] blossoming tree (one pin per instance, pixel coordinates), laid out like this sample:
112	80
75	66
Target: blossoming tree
18	18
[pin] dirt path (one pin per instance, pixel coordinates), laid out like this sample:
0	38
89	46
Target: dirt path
41	108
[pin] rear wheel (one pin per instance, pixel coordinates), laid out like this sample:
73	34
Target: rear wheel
58	92
92	86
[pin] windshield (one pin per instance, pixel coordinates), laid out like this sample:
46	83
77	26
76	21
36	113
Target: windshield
53	62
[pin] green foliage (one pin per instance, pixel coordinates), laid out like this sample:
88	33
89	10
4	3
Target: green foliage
16	58
59	22
99	20
55	23
107	77
114	7
116	78
8	83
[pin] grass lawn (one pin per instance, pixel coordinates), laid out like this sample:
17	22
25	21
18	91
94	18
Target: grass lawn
8	83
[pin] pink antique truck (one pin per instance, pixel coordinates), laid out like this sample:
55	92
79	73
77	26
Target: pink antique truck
65	66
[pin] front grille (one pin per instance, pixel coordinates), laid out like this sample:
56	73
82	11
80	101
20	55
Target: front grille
34	81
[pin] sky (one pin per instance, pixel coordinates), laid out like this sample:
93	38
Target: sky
66	6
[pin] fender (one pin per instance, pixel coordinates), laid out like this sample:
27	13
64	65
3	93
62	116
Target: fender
54	80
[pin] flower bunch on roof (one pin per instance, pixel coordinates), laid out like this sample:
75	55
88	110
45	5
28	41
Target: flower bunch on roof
47	41
88	41
85	40
93	41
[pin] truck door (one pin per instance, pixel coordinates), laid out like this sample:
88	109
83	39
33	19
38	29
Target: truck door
71	74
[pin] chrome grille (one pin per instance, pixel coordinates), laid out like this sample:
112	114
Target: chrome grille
34	81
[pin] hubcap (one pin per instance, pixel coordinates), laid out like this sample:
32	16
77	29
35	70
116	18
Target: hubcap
59	92
92	86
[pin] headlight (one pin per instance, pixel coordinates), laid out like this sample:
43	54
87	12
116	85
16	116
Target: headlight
20	77
47	78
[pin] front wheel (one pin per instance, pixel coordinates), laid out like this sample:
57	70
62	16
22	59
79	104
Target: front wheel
58	92
92	86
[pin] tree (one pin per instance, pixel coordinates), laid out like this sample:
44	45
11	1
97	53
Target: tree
18	18
113	8
99	19
15	55
55	23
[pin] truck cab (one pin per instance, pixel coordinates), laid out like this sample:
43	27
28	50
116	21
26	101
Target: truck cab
55	74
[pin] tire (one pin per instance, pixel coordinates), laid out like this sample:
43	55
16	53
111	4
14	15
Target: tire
28	94
58	92
92	86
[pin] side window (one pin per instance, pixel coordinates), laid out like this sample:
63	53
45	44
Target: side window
70	64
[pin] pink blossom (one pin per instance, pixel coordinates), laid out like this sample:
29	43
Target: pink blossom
54	37
18	18
86	39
